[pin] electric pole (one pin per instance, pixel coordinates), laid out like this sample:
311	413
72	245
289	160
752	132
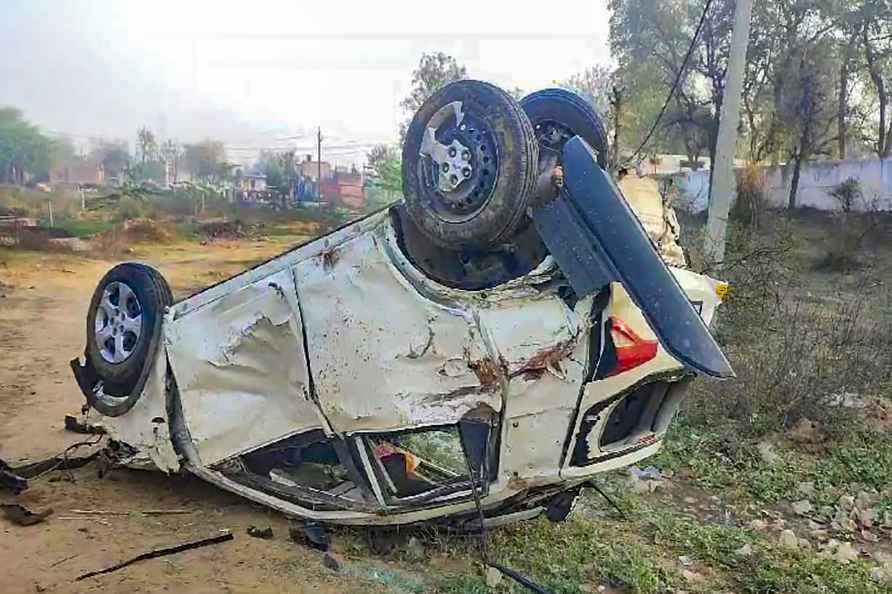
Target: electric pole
724	184
319	160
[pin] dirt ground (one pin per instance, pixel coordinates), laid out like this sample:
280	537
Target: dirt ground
43	303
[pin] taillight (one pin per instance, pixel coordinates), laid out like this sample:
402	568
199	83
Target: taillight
631	350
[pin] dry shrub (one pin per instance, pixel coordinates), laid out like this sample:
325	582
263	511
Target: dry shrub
121	238
751	201
852	228
147	230
792	350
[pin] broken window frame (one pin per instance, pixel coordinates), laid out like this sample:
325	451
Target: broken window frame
460	488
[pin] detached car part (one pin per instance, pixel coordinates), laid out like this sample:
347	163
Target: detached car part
489	337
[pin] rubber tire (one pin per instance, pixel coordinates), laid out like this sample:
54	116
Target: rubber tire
518	152
571	110
124	380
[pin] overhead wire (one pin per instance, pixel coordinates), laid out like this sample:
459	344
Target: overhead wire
675	84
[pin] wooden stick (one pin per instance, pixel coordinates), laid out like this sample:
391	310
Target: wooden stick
194	544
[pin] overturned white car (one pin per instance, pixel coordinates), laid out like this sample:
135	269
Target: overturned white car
500	336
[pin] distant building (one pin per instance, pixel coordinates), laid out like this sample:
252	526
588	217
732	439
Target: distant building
345	188
77	171
310	169
250	187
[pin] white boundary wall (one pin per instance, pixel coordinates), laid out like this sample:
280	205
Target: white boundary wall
816	180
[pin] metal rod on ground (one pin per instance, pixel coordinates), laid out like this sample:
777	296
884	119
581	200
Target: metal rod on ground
50	203
724	185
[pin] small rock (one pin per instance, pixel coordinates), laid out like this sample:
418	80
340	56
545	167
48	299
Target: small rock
758	525
845	553
880	575
744	551
813	525
846	502
818	534
653	486
826	511
493	577
788	540
767	453
866	516
802	507
331	563
863	499
638	486
415	549
690	500
804	544
691	576
806	489
869	536
685	561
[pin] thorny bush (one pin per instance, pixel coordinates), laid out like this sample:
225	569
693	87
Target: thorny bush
795	349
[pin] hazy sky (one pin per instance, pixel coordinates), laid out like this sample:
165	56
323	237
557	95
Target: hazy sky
259	73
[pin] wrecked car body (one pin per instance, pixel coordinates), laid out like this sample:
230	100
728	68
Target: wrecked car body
357	379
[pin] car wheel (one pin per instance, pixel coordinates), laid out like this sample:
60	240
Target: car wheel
558	115
469	166
123	333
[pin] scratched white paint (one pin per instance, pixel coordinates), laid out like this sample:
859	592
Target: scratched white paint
383	357
241	369
145	427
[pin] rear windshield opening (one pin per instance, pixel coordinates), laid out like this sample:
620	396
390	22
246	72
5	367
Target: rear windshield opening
305	469
418	462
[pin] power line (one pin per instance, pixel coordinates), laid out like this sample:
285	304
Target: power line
684	66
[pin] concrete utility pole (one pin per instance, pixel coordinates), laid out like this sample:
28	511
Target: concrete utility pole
724	184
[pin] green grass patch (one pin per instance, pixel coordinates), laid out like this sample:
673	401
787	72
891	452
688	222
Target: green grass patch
865	457
717	458
563	558
84	227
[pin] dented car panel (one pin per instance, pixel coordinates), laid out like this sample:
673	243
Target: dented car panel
338	382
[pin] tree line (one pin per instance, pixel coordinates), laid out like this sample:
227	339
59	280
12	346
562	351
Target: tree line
817	82
28	155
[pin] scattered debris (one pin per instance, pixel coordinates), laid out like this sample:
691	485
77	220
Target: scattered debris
21	515
64	559
312	534
331	563
224	536
645	481
10	480
75	426
802	508
144	512
685	561
264	533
